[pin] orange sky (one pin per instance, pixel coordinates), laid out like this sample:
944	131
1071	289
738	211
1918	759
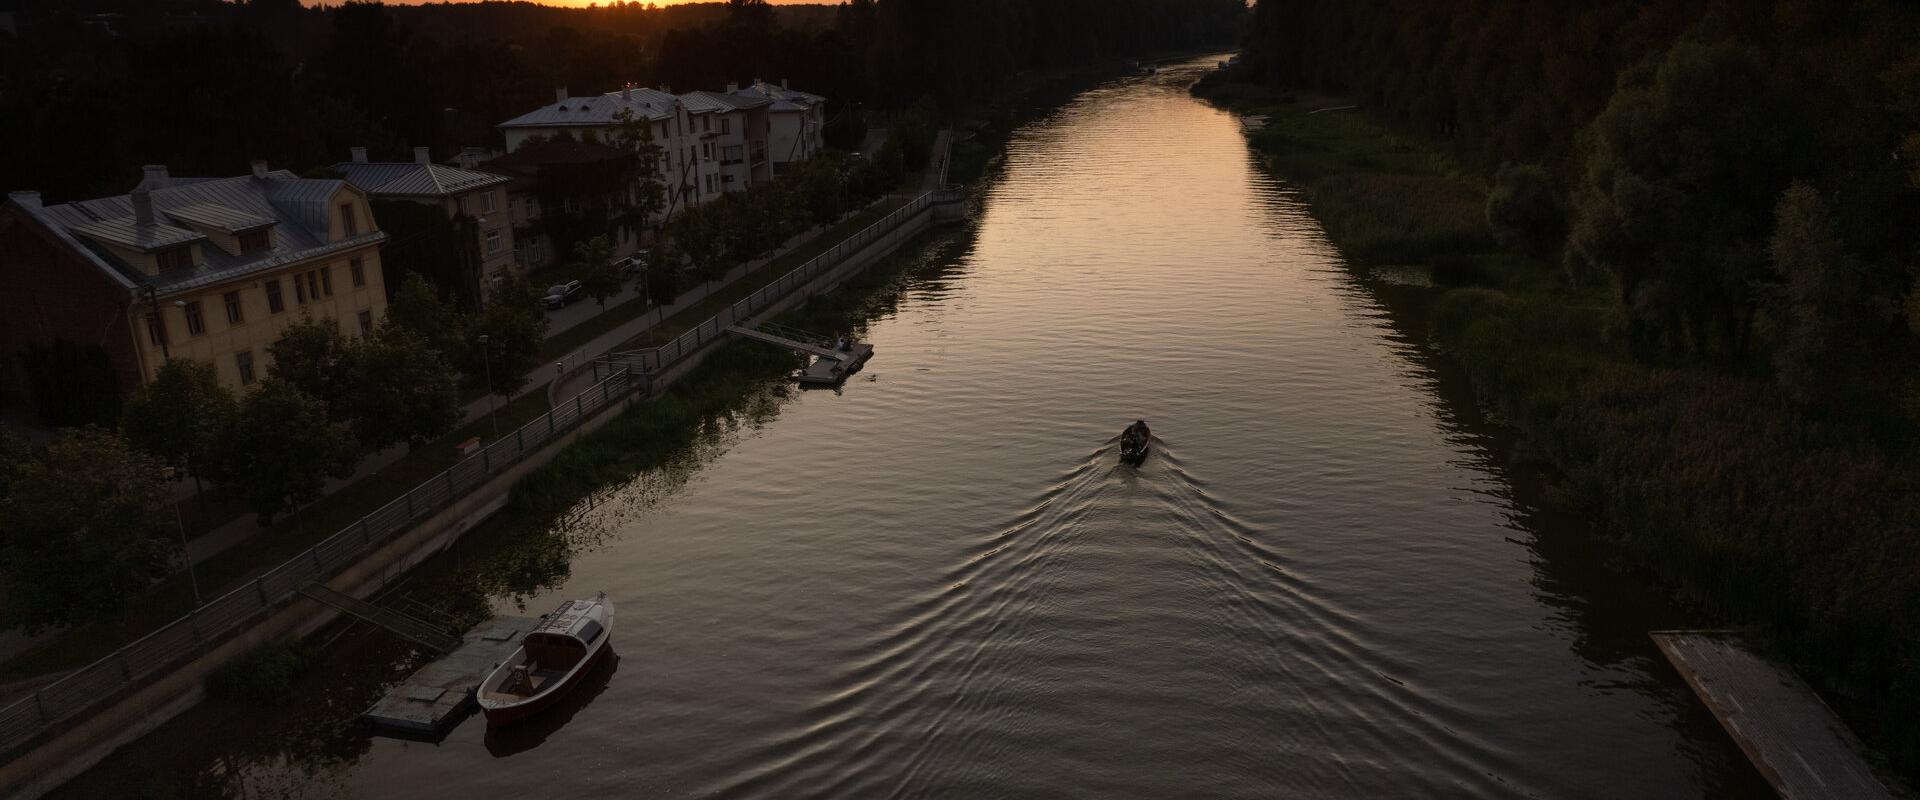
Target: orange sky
577	3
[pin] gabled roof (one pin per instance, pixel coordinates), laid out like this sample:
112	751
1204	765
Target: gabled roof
721	101
537	154
294	207
411	179
794	99
599	110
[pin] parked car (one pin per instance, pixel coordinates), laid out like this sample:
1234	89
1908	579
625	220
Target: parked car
560	295
635	264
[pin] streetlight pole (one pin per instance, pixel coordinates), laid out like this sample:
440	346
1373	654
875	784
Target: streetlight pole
486	361
181	526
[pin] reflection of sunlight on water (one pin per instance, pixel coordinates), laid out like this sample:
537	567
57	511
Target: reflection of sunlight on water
940	582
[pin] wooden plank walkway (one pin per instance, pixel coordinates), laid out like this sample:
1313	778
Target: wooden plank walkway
436	696
1797	742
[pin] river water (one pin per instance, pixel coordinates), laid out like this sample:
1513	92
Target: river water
939	582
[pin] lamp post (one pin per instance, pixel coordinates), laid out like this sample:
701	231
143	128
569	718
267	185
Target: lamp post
181	526
486	361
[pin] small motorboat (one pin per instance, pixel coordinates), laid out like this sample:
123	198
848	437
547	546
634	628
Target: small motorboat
1135	441
551	661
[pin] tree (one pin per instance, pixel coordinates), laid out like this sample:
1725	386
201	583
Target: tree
634	135
1824	304
418	309
694	236
180	416
1522	211
402	391
514	324
283	447
316	359
86	528
599	278
1677	194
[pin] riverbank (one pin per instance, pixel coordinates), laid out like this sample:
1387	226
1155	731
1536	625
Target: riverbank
1752	511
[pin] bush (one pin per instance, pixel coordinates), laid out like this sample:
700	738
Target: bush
266	674
1523	211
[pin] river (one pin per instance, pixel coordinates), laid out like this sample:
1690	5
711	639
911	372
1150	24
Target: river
939	582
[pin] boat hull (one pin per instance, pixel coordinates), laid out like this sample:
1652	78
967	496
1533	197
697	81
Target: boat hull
504	715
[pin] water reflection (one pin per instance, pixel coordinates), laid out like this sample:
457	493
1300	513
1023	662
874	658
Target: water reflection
1329	580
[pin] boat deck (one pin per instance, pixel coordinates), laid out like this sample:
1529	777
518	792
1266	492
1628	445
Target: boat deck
438	695
1792	737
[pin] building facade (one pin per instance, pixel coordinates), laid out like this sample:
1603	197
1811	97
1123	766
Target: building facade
797	122
211	269
468	196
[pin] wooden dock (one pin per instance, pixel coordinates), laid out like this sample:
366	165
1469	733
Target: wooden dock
438	695
1799	745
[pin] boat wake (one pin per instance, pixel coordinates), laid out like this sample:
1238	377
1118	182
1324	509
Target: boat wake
1043	622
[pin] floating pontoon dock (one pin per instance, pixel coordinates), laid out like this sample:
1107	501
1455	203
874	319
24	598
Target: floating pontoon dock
436	696
1792	737
830	366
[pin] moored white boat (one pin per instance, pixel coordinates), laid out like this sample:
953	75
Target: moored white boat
551	661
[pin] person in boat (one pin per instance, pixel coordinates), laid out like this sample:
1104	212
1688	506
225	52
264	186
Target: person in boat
1136	434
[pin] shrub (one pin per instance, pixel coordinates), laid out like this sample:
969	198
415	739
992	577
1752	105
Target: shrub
266	674
1523	212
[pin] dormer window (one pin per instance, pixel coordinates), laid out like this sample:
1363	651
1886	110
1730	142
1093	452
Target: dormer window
347	221
174	259
258	241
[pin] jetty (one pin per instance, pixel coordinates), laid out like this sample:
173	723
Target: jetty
1796	742
831	364
439	695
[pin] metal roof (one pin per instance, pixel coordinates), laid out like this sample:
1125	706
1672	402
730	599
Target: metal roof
297	209
648	104
736	102
218	217
777	93
126	232
412	179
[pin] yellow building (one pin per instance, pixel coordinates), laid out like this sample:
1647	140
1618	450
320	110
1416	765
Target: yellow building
208	269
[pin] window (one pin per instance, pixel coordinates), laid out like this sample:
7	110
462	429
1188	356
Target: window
255	241
326	280
486	202
156	330
313	285
732	154
347	222
493	241
244	361
706	124
274	304
359	270
175	258
462	202
195	325
366	323
299	290
234	314
706	151
726	125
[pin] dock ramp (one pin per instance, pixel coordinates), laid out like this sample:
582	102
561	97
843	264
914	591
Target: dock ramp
790	339
411	628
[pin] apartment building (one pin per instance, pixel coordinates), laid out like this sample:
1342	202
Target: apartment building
468	196
732	130
212	269
797	122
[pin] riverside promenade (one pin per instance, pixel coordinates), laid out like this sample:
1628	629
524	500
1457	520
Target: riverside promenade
61	729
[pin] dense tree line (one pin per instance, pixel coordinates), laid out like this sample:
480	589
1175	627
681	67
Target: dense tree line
1719	342
206	85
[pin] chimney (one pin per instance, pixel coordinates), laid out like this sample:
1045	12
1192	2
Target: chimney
560	95
259	169
665	89
422	155
783	84
732	87
142	206
359	155
26	198
155	175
